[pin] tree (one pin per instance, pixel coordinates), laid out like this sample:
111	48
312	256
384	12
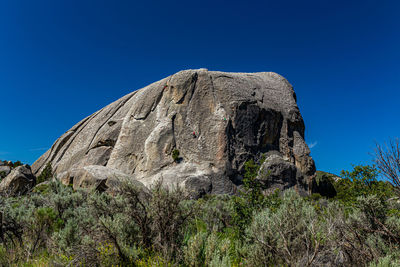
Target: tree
361	181
387	160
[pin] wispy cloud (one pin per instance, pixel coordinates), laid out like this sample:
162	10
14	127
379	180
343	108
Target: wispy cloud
38	149
3	153
312	145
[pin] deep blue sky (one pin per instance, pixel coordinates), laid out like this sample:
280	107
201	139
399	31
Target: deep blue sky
60	61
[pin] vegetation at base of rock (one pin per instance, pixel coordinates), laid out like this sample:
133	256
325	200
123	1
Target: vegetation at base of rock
55	225
46	174
175	155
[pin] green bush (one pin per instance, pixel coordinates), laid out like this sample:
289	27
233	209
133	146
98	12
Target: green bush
13	164
175	155
46	174
361	181
56	226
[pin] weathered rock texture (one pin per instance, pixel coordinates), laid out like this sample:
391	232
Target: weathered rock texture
18	182
5	170
216	120
96	177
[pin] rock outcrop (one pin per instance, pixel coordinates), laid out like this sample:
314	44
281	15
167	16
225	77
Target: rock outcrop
4	171
18	182
277	173
216	120
96	177
323	184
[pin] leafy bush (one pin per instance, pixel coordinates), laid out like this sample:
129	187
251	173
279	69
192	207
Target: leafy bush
361	181
279	236
13	164
250	200
175	155
46	174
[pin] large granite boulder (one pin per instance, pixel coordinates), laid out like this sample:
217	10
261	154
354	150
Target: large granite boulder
216	120
18	182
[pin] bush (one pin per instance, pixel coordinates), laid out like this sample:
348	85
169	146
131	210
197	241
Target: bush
139	227
46	174
361	181
175	155
13	164
279	236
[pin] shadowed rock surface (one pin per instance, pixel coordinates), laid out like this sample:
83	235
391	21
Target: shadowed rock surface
216	120
323	183
5	170
277	173
19	181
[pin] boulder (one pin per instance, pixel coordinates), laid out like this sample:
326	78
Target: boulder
95	177
4	171
216	120
323	184
278	173
2	163
18	182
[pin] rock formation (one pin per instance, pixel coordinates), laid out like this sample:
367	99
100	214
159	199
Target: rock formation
216	120
19	181
4	171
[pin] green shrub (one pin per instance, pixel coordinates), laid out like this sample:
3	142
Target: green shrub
250	200
175	155
41	189
278	235
138	227
16	164
387	261
194	251
361	181
46	174
13	164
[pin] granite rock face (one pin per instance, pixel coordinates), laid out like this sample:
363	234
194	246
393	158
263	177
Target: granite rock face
216	120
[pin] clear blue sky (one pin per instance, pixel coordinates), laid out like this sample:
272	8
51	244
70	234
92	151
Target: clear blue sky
60	61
